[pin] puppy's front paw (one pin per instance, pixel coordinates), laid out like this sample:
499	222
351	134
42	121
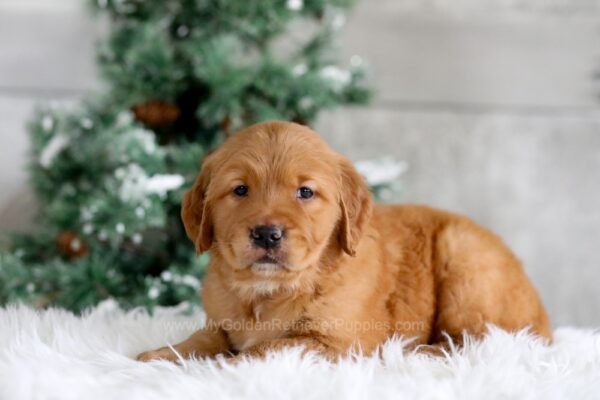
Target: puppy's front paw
164	353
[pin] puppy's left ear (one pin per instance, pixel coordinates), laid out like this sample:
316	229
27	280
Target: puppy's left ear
195	212
356	206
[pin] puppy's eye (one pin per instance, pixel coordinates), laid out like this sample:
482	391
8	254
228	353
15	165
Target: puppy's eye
241	190
304	193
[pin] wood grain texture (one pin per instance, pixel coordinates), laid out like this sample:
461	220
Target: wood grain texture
533	61
46	50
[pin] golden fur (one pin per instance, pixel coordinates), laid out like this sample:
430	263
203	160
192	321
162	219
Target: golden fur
349	274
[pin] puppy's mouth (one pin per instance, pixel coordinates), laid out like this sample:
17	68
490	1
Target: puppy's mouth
267	263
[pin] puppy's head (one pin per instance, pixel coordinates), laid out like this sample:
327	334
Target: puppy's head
272	201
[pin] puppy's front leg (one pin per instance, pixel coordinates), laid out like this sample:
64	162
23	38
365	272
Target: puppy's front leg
310	344
206	342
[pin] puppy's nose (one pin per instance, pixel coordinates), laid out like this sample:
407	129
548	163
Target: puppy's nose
266	236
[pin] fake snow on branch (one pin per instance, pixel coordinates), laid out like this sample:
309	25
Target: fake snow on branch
136	184
383	176
336	76
54	146
295	5
381	171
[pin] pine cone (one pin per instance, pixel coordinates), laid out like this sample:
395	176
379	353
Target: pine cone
70	245
156	114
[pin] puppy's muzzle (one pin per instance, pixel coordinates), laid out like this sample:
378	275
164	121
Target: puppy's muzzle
266	236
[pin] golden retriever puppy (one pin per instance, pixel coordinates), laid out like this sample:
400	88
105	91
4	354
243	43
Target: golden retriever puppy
301	256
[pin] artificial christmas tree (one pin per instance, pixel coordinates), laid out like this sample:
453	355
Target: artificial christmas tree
110	173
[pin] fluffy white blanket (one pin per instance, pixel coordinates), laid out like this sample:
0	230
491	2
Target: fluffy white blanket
54	354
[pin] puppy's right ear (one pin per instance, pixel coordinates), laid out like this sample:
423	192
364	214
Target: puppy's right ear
356	206
195	212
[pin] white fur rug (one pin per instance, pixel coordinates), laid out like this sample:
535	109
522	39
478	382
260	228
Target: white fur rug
56	355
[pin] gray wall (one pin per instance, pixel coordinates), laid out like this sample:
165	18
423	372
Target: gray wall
491	102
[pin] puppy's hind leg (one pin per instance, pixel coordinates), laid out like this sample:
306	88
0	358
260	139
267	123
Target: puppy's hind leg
478	282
